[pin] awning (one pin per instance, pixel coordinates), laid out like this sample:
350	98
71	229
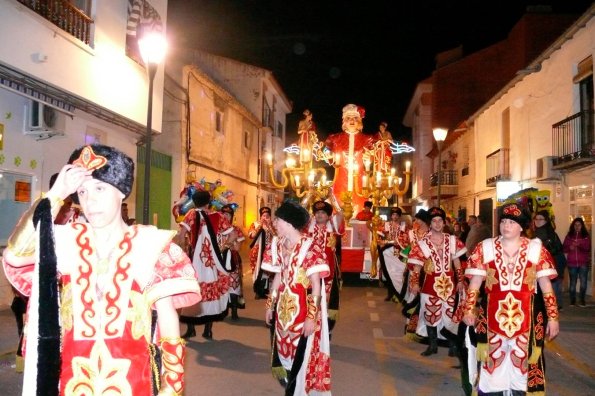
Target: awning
30	87
26	86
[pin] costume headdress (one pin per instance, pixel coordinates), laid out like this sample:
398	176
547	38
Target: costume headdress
368	204
324	206
108	165
396	209
516	213
294	214
423	215
437	212
264	209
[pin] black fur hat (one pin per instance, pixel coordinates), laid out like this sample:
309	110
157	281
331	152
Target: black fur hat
397	210
264	209
516	213
423	215
294	214
109	165
228	209
324	206
437	212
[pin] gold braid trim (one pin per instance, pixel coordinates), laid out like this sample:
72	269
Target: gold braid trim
21	242
173	352
413	279
551	306
313	303
271	300
460	275
470	301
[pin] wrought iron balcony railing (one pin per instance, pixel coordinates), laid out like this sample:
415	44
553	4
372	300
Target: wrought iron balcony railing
64	15
573	141
447	178
497	166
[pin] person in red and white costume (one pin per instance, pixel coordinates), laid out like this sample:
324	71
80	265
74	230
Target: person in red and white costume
297	303
518	309
261	232
438	255
93	287
231	245
395	238
208	230
327	229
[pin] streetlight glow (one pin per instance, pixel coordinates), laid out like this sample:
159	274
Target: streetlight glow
439	136
152	47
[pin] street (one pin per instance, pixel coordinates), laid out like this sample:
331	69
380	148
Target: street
369	354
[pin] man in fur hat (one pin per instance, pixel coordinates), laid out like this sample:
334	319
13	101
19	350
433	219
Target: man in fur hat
301	350
94	286
518	311
438	255
261	232
327	229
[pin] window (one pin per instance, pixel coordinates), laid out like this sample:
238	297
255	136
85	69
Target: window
279	131
219	122
266	115
246	140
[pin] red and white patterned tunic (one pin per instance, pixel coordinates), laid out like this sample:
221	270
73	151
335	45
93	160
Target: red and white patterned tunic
306	259
106	316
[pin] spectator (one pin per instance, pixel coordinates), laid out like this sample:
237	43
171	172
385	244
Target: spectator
544	230
366	214
479	232
577	246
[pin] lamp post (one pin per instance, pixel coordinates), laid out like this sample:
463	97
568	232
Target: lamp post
439	136
152	48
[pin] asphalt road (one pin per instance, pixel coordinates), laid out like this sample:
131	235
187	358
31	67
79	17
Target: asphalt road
369	354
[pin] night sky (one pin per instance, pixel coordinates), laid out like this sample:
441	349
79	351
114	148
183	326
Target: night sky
326	54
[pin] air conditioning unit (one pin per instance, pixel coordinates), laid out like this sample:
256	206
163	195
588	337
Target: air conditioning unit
545	173
43	121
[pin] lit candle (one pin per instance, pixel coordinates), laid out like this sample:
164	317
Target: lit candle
306	155
289	162
365	181
367	164
297	180
323	180
310	179
407	166
393	171
390	181
378	179
270	158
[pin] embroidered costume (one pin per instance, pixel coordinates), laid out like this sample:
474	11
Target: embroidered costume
261	242
392	265
210	266
439	287
511	332
313	373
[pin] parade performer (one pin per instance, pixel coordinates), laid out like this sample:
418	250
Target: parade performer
347	150
301	350
519	309
307	135
93	287
382	149
231	245
213	271
261	232
421	226
438	255
395	238
327	229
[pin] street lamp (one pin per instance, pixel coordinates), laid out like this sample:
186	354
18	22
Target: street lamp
152	47
439	136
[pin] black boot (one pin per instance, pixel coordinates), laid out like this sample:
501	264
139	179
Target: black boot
208	331
432	341
190	331
234	307
452	349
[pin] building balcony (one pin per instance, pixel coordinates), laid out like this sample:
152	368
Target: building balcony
449	186
497	167
573	141
64	15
